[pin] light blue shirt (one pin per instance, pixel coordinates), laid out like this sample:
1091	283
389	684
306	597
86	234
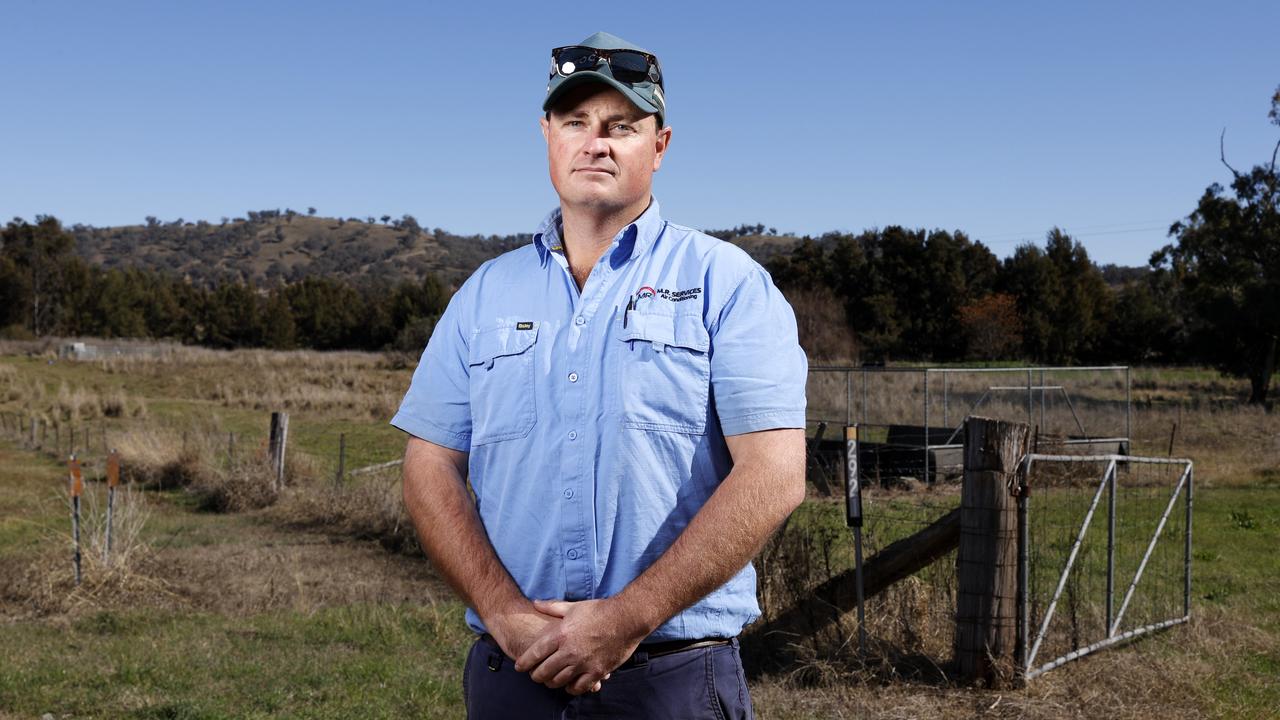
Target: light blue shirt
595	421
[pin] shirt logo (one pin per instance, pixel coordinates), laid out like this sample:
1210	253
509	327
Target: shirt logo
524	326
665	294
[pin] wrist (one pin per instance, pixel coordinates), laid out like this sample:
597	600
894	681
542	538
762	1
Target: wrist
498	612
634	615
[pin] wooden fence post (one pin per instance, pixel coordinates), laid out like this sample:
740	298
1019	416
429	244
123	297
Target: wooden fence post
342	458
278	442
987	561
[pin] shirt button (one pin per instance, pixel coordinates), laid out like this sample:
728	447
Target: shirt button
573	434
573	377
568	493
573	554
579	320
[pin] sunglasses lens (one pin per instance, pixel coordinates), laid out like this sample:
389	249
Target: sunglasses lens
629	67
570	60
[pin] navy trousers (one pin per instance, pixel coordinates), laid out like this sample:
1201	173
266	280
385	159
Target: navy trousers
706	682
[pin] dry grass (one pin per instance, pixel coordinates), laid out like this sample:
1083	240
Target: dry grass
353	384
45	585
369	508
1168	676
195	461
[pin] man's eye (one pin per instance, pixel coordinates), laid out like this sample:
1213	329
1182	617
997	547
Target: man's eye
620	127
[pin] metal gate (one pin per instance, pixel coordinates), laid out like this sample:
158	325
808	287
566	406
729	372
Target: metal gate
1094	530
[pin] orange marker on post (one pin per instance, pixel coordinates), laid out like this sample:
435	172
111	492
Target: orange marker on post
77	483
113	469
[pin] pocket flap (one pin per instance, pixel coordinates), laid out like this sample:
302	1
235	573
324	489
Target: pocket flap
503	340
684	331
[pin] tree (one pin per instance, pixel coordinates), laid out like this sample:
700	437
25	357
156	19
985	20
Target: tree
992	327
1064	303
40	253
1147	326
1226	266
278	330
311	211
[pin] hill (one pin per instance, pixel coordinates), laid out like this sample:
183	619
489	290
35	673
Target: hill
271	247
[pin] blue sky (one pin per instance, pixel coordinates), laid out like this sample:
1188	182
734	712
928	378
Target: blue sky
1001	120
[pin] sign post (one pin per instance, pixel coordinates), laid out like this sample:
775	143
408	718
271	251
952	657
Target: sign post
853	519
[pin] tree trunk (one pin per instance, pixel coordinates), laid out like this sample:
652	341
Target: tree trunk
1260	382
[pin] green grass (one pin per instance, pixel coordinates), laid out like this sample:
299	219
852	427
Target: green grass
355	661
32	499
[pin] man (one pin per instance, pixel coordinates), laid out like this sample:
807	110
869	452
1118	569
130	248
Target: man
626	398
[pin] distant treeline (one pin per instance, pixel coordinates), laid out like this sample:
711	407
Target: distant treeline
46	289
940	296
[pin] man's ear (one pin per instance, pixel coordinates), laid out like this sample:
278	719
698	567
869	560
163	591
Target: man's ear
546	126
661	142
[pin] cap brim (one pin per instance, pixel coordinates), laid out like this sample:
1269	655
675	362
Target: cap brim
587	76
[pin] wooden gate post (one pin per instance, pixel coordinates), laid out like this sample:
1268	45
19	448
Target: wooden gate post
987	561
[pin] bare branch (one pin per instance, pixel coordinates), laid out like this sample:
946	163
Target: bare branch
1273	158
1222	152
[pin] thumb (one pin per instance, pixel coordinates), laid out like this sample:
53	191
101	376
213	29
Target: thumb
558	608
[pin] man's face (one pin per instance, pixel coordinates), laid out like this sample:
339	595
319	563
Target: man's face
602	150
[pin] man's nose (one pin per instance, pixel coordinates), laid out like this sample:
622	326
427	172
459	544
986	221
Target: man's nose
597	146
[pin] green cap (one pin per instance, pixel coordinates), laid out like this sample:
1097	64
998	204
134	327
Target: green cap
645	95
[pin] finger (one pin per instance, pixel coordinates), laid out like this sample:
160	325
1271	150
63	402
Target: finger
539	650
564	677
558	608
549	668
583	684
596	688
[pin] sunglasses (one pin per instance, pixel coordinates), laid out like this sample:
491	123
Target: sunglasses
628	66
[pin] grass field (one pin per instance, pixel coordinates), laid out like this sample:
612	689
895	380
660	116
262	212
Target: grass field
284	611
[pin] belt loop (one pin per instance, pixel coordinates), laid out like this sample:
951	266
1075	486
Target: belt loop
640	658
495	661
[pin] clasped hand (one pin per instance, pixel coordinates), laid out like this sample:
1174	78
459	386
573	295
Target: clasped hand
575	645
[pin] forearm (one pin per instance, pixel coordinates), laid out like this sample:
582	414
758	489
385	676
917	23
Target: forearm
725	534
452	536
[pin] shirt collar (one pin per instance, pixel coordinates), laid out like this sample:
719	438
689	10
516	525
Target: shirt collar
631	241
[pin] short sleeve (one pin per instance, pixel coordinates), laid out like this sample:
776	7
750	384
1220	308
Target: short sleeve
758	369
437	407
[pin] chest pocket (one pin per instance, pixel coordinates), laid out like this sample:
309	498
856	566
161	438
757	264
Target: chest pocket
664	372
501	377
